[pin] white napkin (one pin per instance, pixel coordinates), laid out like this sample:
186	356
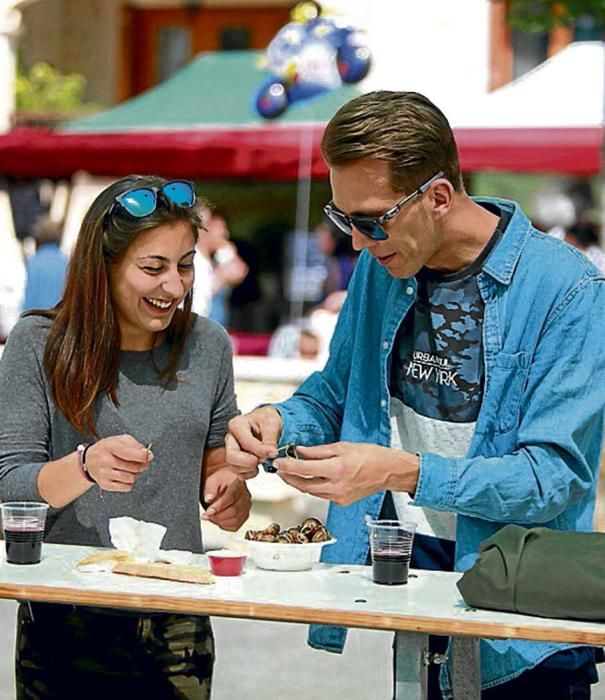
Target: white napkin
143	541
140	539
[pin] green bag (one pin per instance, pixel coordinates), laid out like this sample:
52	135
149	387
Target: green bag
539	572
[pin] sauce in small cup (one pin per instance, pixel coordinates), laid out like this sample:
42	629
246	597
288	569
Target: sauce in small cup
226	562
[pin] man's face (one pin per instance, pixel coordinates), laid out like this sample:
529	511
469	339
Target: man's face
363	188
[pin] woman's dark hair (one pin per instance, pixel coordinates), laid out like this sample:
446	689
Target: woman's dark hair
82	353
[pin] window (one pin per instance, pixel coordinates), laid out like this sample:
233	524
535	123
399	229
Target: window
529	50
173	50
588	29
234	39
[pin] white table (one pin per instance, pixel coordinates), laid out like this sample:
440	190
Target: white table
329	594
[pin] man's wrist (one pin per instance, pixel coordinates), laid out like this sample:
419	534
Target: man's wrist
403	471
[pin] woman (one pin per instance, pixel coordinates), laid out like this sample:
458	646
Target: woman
86	388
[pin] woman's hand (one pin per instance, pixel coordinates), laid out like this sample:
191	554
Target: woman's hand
116	462
228	500
251	439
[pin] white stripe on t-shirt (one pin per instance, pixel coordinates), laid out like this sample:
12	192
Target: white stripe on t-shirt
414	433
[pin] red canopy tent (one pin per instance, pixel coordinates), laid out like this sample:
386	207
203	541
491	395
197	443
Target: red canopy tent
273	154
201	124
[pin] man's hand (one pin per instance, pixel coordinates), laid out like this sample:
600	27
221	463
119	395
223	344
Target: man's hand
228	500
251	439
344	472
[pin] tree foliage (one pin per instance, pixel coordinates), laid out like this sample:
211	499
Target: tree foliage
543	15
43	89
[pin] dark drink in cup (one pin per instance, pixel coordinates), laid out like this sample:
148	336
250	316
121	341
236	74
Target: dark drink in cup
391	546
23	527
23	545
390	569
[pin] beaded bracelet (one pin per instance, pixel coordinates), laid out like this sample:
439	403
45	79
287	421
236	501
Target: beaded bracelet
82	449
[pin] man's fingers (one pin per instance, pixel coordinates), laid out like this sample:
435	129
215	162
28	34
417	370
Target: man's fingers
319	451
315	487
305	467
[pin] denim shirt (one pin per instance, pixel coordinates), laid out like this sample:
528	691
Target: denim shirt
534	456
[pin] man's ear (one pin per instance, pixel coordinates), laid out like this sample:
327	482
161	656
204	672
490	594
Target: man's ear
441	197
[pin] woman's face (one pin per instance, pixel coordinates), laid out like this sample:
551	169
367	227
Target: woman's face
149	281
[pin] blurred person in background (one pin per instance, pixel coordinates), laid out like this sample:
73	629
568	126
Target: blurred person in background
455	395
218	267
340	258
584	237
12	283
119	365
309	338
245	300
46	268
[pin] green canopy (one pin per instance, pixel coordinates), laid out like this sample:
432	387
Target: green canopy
214	90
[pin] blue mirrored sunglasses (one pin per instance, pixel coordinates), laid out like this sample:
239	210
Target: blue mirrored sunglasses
143	201
373	226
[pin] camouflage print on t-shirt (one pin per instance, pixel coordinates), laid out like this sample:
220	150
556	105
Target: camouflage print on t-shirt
438	364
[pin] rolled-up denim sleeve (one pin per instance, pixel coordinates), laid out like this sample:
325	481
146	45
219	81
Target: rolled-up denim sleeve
313	415
555	460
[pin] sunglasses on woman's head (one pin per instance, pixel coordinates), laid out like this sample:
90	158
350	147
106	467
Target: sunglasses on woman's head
140	202
373	226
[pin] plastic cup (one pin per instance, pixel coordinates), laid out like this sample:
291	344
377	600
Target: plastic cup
391	546
226	562
23	527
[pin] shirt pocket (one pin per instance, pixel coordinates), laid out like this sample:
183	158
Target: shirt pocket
506	383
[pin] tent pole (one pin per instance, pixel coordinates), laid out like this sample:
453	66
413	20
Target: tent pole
301	232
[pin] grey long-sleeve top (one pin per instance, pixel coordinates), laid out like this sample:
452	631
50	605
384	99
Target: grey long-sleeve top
182	421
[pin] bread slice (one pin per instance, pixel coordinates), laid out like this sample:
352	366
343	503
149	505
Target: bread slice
106	556
171	572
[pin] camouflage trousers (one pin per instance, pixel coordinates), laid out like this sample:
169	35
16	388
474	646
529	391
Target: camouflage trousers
63	652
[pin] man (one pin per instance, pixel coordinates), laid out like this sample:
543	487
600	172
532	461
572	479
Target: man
46	268
465	383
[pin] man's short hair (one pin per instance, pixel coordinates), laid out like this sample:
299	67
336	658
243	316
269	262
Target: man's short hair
403	128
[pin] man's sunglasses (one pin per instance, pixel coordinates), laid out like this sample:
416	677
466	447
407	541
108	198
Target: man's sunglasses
143	201
373	226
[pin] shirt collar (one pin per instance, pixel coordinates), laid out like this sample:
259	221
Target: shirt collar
504	258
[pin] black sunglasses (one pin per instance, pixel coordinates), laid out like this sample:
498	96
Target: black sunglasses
373	226
140	202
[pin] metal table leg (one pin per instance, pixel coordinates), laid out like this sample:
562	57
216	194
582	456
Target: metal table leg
410	665
466	668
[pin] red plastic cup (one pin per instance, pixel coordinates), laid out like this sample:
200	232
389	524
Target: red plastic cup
226	562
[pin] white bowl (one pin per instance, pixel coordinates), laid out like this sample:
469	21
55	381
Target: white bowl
284	557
